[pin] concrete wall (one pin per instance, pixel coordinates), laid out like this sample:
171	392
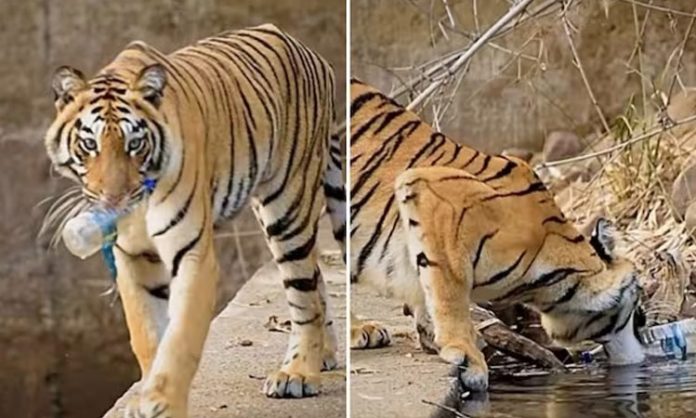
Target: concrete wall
497	107
63	348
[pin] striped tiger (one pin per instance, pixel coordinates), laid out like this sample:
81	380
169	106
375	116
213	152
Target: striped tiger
242	117
441	225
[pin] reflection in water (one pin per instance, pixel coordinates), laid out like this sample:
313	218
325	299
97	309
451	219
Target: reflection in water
660	389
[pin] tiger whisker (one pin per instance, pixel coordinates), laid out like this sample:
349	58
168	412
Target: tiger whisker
57	211
74	211
67	193
64	207
61	204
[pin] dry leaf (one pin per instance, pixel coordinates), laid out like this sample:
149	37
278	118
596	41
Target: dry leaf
274	325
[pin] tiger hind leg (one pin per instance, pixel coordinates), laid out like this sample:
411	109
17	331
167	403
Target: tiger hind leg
367	334
446	281
330	347
335	191
335	194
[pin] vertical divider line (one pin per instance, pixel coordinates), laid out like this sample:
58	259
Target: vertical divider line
348	220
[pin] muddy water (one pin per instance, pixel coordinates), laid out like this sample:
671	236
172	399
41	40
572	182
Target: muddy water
659	389
40	378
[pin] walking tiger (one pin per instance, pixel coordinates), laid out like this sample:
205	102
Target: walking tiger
244	117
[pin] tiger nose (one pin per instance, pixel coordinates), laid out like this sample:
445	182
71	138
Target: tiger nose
111	199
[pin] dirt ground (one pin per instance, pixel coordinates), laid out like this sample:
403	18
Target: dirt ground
229	381
398	380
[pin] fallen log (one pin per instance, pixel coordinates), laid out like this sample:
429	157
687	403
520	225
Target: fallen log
502	338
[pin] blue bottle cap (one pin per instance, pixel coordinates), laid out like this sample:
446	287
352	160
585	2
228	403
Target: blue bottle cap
149	184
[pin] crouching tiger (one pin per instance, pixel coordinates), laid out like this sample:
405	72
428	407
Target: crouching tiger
245	116
441	226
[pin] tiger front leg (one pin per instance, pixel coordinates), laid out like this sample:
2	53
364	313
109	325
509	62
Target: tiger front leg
445	277
312	343
187	251
145	311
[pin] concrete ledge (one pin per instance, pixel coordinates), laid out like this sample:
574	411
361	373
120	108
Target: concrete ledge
393	382
228	383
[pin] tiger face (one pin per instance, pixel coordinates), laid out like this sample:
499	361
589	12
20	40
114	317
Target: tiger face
108	134
603	307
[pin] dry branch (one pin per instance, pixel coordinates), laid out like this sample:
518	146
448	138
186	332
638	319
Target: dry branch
499	336
660	128
660	8
463	58
443	65
578	64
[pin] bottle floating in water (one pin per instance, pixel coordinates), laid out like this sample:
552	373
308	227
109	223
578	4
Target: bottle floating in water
674	340
671	340
86	233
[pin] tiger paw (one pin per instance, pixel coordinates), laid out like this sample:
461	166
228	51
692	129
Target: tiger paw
424	327
426	337
471	370
369	335
329	361
153	404
291	385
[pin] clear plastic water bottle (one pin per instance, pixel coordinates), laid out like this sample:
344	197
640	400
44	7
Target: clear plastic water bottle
680	344
667	345
86	233
671	340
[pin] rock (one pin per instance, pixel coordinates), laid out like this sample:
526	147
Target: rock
562	144
682	105
523	154
690	218
684	190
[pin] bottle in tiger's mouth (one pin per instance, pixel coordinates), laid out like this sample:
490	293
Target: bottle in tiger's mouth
87	233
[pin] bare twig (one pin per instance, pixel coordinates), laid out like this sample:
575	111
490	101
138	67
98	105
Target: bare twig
476	18
681	54
446	408
660	8
578	64
443	64
655	131
462	59
450	16
638	50
240	250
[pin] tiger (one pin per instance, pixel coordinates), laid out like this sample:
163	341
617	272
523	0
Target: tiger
243	118
441	226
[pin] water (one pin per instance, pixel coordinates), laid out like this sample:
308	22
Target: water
658	389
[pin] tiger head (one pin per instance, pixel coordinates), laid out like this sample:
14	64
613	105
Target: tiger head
108	134
601	307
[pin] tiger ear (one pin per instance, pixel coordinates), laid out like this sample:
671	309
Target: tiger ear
603	239
67	83
151	82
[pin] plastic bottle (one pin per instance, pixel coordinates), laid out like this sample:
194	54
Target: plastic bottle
86	233
671	340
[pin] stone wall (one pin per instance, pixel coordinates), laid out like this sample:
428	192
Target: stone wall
63	347
502	104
